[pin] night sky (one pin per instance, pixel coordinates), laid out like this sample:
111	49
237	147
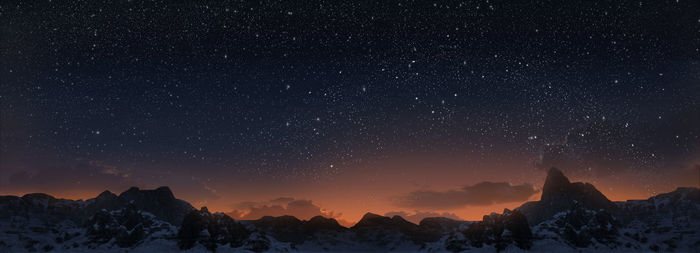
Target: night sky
385	106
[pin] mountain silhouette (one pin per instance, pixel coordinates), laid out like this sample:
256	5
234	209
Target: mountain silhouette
292	230
160	202
372	221
570	216
559	194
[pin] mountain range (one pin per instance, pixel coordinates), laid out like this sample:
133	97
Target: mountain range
569	217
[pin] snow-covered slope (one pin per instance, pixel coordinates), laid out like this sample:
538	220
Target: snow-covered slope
570	217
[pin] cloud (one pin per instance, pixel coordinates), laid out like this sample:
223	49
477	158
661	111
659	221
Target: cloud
484	193
300	208
282	200
418	216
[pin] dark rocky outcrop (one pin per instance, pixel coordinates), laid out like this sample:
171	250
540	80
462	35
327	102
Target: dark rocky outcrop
127	227
574	215
560	195
581	227
318	223
106	200
290	229
373	224
41	206
440	224
370	220
681	202
210	230
160	202
499	230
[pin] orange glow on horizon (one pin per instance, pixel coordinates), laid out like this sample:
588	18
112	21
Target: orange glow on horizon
373	186
351	212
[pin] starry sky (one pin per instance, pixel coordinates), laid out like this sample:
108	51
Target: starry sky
344	107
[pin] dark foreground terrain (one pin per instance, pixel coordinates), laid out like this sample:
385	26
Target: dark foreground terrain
570	217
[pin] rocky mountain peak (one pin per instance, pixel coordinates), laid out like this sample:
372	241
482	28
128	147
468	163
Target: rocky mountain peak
399	219
559	194
164	192
371	220
322	223
554	183
558	188
371	216
106	195
160	202
131	190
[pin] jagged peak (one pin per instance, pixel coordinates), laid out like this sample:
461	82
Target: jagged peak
397	218
106	195
555	176
321	222
686	189
162	191
556	182
559	194
131	190
371	216
692	193
106	192
165	191
371	219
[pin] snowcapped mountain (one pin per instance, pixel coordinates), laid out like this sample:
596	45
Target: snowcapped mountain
578	216
570	217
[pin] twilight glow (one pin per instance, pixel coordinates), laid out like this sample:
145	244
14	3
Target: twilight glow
338	109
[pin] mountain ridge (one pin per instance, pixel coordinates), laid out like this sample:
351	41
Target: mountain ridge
570	216
559	194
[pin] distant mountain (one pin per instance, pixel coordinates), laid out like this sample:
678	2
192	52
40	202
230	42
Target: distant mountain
558	194
41	222
577	215
569	217
160	202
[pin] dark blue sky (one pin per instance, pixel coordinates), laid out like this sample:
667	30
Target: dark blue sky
275	91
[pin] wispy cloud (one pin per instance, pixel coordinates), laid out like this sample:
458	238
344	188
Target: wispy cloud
484	193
